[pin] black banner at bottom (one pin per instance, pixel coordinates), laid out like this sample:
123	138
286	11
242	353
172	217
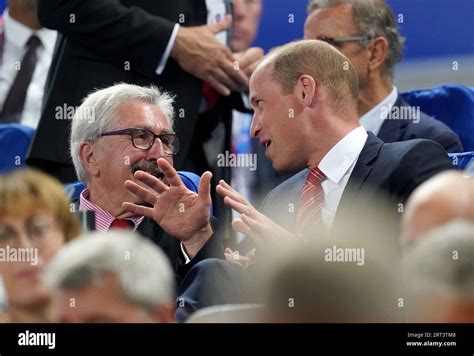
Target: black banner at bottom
148	339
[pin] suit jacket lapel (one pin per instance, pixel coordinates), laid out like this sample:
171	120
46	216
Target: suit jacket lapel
392	130
361	170
150	230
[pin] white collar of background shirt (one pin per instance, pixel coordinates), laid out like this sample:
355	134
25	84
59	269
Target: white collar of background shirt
23	33
373	120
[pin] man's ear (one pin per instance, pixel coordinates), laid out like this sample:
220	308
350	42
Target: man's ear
305	90
88	158
378	53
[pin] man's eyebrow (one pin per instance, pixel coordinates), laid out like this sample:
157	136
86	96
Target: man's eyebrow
164	131
253	100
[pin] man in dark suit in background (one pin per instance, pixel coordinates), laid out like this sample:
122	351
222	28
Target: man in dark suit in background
139	42
129	139
366	32
305	99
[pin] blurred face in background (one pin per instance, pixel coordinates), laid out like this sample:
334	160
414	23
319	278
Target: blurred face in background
246	20
35	221
334	22
35	237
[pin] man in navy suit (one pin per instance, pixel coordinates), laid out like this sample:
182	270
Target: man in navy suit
305	97
366	33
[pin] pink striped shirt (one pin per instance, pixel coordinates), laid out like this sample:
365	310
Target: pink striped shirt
103	219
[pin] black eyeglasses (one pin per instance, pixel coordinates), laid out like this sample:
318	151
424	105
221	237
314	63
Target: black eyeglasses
143	139
337	41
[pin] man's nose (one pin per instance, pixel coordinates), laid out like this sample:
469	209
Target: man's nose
157	150
255	126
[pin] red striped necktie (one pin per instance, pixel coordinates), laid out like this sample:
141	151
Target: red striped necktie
309	215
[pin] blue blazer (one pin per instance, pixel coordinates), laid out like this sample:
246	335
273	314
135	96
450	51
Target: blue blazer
391	170
426	127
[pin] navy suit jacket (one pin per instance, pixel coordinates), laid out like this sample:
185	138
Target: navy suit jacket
213	248
390	170
410	128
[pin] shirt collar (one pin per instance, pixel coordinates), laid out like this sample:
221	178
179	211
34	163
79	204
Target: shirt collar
103	219
374	118
23	33
337	162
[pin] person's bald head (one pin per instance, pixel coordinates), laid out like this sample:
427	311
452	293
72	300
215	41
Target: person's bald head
445	197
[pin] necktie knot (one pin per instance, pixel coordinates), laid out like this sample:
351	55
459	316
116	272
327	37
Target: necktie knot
315	177
121	224
33	42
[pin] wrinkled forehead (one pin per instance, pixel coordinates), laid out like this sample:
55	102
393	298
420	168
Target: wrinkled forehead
330	21
141	115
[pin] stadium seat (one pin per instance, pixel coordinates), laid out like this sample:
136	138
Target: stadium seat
15	140
452	104
461	160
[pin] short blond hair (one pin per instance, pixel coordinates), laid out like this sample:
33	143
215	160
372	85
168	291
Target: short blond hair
26	191
322	62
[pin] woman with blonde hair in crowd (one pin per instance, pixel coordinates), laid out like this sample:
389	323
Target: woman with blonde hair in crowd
35	221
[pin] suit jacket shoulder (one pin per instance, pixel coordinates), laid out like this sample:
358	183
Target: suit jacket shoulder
407	123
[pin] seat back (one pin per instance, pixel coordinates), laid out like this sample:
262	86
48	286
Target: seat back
15	140
462	160
452	104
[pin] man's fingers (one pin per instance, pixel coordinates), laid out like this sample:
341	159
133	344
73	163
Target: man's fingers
221	25
204	190
238	207
223	78
251	56
138	210
170	173
240	79
229	191
218	86
151	181
252	223
225	192
140	192
239	226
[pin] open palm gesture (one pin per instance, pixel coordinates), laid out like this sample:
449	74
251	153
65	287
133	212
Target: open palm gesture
181	212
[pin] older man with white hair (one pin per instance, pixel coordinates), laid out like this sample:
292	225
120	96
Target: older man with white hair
122	147
114	277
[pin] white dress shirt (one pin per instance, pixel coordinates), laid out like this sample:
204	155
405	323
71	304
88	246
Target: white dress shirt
338	165
16	36
373	119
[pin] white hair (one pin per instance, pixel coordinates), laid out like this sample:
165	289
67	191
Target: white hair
142	270
442	261
98	109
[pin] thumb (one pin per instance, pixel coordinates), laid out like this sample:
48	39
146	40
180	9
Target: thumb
222	25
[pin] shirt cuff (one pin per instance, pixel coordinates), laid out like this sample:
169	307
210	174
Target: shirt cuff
164	57
186	257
